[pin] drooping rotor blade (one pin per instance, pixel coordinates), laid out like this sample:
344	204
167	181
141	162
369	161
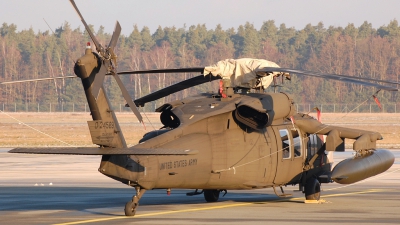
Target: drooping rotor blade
103	151
38	79
99	48
180	70
128	98
369	79
356	80
201	79
98	80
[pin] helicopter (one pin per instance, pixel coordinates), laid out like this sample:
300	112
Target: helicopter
240	138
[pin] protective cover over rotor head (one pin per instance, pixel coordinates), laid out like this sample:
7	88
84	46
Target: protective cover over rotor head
243	72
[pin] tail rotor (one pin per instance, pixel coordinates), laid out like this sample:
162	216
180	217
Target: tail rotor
108	64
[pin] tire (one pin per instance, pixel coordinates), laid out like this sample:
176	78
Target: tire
211	195
313	189
130	208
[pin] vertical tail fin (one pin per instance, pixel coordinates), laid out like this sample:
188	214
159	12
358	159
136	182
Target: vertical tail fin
104	129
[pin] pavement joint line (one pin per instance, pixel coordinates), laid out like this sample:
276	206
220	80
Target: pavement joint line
212	207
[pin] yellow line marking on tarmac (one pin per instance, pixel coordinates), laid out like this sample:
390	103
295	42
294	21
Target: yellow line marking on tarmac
157	213
350	193
213	207
356	193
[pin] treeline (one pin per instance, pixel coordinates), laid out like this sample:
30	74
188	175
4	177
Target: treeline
358	51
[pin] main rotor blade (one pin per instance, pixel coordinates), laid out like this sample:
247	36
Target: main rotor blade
98	80
368	79
201	79
99	48
180	70
103	151
345	78
128	98
38	79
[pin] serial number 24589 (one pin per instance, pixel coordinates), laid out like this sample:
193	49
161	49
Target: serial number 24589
103	125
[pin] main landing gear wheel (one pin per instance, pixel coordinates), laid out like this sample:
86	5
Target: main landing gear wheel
211	195
130	208
313	189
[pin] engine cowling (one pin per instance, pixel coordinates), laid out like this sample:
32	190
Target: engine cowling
258	111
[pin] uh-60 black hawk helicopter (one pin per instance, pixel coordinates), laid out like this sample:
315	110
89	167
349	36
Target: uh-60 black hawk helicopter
236	139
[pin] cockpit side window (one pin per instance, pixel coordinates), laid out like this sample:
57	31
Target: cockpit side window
284	133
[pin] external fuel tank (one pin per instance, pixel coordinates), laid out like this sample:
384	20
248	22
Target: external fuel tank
352	170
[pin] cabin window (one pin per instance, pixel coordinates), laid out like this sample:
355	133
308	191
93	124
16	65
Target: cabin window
284	133
297	143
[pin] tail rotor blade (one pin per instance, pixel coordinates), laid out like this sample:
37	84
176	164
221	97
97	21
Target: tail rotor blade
115	36
99	48
113	43
98	80
128	98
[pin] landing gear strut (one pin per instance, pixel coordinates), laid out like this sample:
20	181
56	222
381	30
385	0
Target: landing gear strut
212	195
312	189
130	207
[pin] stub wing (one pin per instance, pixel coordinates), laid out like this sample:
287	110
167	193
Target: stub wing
102	151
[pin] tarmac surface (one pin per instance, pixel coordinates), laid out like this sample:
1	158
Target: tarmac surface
51	189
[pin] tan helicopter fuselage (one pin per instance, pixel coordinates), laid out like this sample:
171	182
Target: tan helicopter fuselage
243	141
229	156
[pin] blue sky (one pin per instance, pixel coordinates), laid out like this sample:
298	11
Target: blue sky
228	13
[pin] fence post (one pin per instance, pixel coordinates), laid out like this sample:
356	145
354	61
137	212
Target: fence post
38	107
73	107
3	107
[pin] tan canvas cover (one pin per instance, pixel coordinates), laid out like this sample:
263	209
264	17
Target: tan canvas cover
242	72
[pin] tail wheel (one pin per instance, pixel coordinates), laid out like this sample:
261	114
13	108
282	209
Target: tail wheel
211	195
313	189
130	208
